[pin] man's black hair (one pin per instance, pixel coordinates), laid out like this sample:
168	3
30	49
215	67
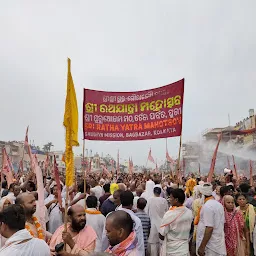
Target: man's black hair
81	187
4	184
14	217
224	190
5	192
91	201
32	185
126	198
106	188
244	187
157	191
141	203
169	190
179	194
11	186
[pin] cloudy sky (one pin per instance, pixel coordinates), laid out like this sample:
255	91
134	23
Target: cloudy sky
125	45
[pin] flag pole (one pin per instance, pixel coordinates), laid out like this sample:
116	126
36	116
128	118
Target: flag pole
70	123
84	171
2	176
166	149
178	162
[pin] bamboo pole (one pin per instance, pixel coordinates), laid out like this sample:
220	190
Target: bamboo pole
2	176
178	162
84	171
66	216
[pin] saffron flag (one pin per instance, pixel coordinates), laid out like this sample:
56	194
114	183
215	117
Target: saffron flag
71	124
6	168
63	158
26	137
251	179
235	170
168	158
214	159
46	164
20	170
57	179
130	166
156	170
33	159
228	163
150	157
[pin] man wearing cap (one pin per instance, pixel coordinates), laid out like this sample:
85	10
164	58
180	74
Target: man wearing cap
210	239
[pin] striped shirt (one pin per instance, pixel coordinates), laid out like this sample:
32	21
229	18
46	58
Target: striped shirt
146	225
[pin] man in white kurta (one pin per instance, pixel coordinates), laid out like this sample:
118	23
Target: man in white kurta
95	219
175	226
19	241
55	210
210	237
156	208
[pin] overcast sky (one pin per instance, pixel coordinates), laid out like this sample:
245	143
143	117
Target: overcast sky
125	45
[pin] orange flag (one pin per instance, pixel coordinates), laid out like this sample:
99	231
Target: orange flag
251	180
235	171
150	157
209	179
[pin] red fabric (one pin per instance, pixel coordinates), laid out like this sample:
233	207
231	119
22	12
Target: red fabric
168	158
228	163
235	171
7	171
26	137
251	179
150	157
214	159
233	227
141	115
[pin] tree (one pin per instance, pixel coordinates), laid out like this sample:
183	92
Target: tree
47	147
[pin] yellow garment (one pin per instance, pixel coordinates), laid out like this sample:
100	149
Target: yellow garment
250	214
190	185
113	188
71	124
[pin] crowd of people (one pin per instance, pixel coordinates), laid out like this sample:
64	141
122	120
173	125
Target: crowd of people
135	215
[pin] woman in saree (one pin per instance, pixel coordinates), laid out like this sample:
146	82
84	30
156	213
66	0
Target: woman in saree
248	213
235	229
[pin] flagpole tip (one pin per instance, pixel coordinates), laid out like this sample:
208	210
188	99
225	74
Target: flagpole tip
69	64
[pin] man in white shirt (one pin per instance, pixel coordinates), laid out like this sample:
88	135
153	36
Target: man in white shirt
97	190
156	208
19	241
210	238
176	225
95	219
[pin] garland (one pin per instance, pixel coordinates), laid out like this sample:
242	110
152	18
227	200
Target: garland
92	211
197	218
39	229
175	207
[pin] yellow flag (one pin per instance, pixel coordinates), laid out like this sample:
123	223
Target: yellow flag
71	124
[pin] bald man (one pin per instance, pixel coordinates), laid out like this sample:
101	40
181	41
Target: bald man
122	238
80	238
28	202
